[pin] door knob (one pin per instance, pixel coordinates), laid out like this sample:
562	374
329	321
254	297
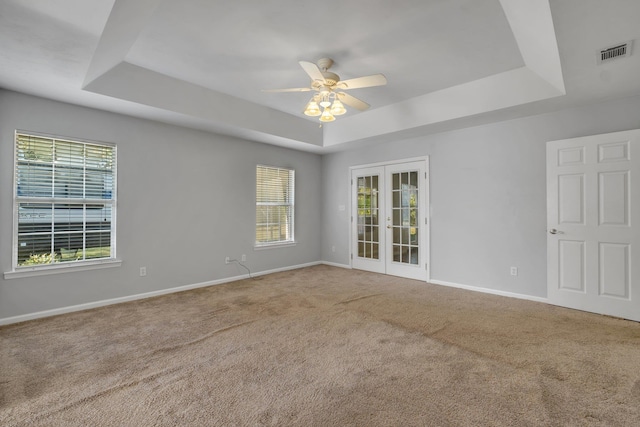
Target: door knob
388	226
554	231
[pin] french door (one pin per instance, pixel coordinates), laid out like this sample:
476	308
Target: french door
389	219
593	213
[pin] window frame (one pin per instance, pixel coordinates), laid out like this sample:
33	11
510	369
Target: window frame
291	204
18	271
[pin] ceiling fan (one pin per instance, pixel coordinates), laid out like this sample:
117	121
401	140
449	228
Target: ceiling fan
329	89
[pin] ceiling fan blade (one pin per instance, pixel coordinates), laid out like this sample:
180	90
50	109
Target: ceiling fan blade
352	101
312	70
366	81
294	89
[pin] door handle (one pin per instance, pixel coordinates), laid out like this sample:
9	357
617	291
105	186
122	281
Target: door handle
554	231
388	226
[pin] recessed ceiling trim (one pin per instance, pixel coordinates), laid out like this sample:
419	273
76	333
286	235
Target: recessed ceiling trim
531	23
123	27
500	91
541	78
140	85
532	26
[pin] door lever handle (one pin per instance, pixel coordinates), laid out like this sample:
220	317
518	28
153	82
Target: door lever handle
554	231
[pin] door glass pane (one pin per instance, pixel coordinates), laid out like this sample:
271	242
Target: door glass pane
405	236
414	236
405	216
413	217
368	217
405	254
414	255
413	179
374	184
396	198
396	234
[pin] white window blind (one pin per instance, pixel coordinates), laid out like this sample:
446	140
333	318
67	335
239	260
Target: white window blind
274	205
64	201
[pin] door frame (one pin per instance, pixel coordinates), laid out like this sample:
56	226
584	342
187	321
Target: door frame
425	194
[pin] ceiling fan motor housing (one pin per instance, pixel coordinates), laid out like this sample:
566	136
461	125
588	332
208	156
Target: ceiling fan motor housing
324	64
331	78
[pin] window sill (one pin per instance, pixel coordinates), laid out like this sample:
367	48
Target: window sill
61	268
261	246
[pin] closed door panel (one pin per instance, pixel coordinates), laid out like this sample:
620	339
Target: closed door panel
592	222
406	220
389	223
367	211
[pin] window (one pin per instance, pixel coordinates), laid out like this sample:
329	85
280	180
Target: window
274	205
65	201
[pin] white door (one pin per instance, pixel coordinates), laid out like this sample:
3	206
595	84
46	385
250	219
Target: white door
592	223
389	227
367	219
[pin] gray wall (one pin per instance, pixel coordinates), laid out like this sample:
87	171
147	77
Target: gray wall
185	201
487	190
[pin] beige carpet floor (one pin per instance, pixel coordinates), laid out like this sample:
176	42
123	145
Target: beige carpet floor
322	346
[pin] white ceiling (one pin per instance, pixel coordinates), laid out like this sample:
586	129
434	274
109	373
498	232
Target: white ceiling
203	63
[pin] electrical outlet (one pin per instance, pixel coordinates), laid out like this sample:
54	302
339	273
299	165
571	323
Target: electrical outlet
514	271
333	248
143	271
244	258
226	260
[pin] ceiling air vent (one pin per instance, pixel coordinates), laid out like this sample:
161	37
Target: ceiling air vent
618	51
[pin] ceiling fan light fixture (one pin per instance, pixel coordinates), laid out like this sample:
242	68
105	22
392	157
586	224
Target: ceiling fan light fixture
326	116
327	101
312	109
337	109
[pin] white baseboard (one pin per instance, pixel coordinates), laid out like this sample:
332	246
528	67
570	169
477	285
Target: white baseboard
111	301
490	291
102	303
335	264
